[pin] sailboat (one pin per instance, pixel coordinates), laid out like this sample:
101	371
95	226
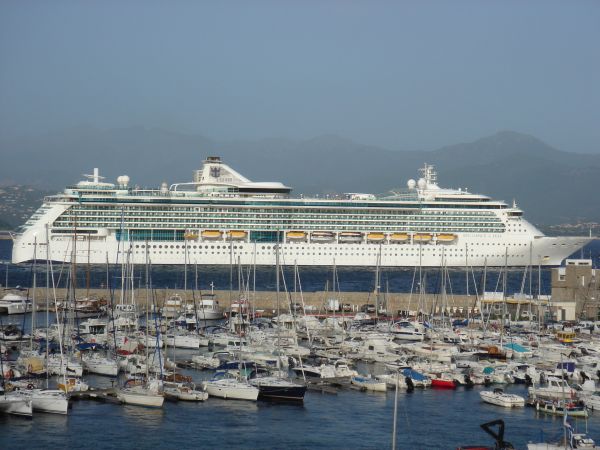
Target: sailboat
147	392
13	402
278	386
52	401
224	384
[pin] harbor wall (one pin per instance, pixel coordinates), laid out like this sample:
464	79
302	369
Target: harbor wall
267	300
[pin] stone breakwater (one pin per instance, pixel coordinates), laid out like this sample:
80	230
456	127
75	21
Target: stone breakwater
267	300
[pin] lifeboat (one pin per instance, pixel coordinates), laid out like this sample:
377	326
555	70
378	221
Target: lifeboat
296	236
350	237
236	235
375	237
422	237
446	238
322	236
398	237
212	235
190	235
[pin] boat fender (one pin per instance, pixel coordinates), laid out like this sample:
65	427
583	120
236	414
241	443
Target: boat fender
409	384
468	381
584	377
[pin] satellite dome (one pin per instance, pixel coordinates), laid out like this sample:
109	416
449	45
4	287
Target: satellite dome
123	180
411	183
422	183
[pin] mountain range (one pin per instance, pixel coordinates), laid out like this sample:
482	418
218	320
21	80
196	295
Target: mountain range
551	185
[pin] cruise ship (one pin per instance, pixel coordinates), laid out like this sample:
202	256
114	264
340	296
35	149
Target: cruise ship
224	218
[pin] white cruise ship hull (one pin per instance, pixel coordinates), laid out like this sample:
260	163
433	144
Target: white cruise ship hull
474	251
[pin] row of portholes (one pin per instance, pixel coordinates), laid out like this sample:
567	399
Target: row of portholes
268	247
345	254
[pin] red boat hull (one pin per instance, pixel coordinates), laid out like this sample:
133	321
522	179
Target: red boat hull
443	384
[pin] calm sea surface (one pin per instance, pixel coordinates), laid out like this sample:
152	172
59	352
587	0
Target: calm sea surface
430	419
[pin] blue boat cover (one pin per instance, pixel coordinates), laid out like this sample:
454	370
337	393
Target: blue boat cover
414	375
516	347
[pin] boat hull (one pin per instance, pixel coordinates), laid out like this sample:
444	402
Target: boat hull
53	402
231	391
553	249
17	405
139	399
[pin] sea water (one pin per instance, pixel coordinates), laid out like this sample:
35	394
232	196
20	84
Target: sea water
427	419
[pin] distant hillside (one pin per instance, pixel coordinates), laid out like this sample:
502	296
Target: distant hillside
17	204
552	186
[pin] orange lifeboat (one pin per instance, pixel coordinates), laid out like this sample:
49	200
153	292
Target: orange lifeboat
296	236
190	235
211	235
399	237
376	237
422	237
236	235
446	238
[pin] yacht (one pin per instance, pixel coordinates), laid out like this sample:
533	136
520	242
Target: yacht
12	303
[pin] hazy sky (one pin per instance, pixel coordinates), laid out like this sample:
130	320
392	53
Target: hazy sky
399	74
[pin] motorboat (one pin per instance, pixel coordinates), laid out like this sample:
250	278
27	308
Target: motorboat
208	308
561	408
369	384
184	392
556	388
443	383
500	398
408	331
13	303
172	306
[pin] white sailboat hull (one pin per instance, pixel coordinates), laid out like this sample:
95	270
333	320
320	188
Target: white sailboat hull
231	389
50	401
16	404
141	398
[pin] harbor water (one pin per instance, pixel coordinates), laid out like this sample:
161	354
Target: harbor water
350	419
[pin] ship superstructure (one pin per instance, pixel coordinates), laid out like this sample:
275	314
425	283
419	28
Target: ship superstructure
222	217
